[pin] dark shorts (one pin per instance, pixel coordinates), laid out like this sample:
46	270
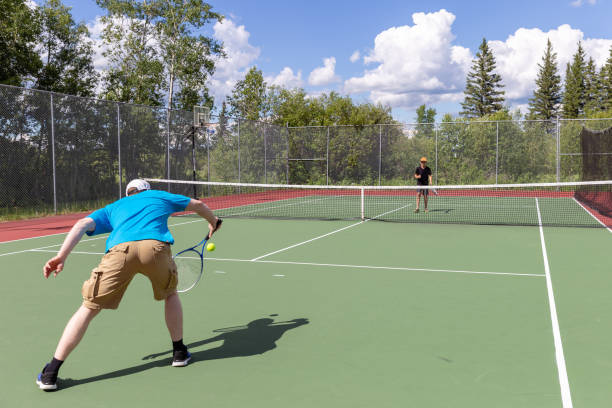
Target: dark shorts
423	191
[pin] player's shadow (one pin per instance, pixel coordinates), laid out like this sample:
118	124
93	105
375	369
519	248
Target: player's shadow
256	337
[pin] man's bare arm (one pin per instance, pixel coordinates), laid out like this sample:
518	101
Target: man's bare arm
56	264
203	211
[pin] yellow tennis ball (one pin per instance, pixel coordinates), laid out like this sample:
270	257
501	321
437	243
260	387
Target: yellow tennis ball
210	247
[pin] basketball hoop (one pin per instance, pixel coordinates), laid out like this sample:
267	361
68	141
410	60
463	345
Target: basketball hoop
201	116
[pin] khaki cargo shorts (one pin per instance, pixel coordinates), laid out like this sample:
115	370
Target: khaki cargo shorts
109	280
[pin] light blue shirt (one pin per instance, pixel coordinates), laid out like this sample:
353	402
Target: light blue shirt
138	217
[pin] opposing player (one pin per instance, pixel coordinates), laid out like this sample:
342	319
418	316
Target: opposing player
139	242
422	174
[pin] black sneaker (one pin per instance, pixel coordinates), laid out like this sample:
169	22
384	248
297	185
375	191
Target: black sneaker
47	381
181	358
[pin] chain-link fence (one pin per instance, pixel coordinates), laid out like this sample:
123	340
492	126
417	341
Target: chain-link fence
61	153
463	152
65	153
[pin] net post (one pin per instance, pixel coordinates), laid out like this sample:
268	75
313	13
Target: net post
362	204
53	157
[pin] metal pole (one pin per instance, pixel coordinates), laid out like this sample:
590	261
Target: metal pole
327	158
496	150
238	154
53	157
379	151
287	130
119	149
436	142
558	164
193	161
208	161
168	146
265	155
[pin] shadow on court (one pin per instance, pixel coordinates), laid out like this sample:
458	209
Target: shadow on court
254	338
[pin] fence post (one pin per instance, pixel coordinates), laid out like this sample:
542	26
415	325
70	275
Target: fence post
496	150
265	154
379	152
327	159
208	159
119	149
287	130
239	153
558	161
168	145
53	157
436	142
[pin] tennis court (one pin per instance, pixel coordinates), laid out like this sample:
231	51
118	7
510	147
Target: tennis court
338	313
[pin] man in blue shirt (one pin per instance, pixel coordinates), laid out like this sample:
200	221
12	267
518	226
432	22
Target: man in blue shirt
139	242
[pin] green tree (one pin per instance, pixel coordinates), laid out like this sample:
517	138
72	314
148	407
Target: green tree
483	94
249	97
136	73
593	87
574	97
547	95
19	30
183	59
425	121
68	54
606	82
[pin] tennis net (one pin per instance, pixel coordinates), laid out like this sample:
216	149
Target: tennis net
548	204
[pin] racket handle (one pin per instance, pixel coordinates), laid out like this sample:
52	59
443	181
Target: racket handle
219	221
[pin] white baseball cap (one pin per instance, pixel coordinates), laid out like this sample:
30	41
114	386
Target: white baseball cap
138	184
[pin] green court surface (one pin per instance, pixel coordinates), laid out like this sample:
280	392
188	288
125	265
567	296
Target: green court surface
295	313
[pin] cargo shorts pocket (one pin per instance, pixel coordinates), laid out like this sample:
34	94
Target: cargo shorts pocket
91	286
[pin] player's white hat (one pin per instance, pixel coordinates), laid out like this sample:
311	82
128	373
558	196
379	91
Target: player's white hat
138	184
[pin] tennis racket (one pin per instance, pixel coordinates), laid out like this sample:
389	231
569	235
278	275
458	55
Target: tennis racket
190	264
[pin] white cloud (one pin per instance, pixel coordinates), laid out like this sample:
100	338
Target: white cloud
579	3
519	55
355	56
416	64
286	79
240	55
419	64
324	75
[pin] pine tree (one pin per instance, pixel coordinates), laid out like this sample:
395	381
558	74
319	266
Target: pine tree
593	100
547	95
605	79
575	94
483	94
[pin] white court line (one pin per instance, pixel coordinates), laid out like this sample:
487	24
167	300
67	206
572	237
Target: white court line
591	214
566	397
84	240
328	234
390	268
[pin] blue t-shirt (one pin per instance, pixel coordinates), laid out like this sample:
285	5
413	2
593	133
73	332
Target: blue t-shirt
138	217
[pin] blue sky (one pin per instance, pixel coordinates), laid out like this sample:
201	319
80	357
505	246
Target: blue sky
409	52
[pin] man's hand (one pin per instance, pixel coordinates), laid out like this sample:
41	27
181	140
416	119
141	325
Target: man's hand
213	228
55	265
